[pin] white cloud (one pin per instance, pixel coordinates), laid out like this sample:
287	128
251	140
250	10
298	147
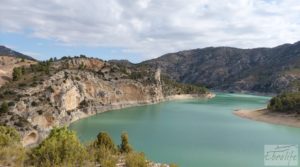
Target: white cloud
154	27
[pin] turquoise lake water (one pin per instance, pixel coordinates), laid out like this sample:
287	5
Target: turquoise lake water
193	133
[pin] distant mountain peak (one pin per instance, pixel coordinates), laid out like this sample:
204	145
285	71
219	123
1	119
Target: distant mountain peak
5	51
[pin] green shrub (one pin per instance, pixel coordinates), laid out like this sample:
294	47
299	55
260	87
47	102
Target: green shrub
22	84
17	73
4	107
34	84
51	89
60	148
104	141
172	165
102	155
125	146
40	112
136	75
23	70
63	149
8	136
9	93
82	56
34	103
11	151
81	66
171	87
11	103
287	102
43	67
77	78
103	150
12	155
135	160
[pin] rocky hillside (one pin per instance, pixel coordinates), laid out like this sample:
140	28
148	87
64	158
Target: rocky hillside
56	93
8	63
269	70
9	59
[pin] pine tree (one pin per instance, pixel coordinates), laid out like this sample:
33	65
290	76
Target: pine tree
125	146
104	140
17	73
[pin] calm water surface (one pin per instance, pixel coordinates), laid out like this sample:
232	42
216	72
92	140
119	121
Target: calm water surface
193	133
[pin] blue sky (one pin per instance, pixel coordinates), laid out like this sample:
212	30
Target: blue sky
43	49
143	29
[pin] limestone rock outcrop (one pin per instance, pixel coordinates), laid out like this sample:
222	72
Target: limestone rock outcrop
76	88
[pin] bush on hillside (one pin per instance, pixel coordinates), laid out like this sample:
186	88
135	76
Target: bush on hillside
287	102
4	107
105	141
125	147
43	66
8	136
11	153
135	160
102	155
63	149
103	150
60	148
17	73
171	87
173	165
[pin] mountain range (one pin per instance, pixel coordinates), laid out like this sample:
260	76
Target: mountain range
266	70
58	92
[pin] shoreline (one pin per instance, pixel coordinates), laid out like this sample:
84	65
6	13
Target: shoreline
89	111
128	104
79	114
264	115
244	92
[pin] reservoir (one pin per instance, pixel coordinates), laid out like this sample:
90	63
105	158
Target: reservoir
193	133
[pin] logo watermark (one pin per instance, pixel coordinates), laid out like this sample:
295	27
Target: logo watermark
281	155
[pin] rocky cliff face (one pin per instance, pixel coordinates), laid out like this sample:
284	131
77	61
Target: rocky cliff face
263	69
73	89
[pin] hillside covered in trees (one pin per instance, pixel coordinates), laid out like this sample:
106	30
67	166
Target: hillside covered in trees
274	70
285	103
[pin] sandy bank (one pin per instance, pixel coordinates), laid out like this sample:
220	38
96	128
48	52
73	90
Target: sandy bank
264	115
